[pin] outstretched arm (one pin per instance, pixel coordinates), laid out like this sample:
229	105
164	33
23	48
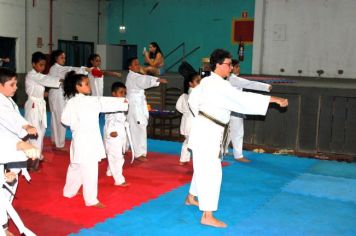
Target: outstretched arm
112	73
282	102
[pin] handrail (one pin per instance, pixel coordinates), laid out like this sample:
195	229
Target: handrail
175	49
182	58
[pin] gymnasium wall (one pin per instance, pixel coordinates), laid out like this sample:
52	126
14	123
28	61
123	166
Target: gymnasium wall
305	35
204	23
28	20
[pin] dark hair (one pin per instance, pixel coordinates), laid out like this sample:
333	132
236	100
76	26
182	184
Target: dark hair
130	60
234	62
90	58
188	79
37	57
70	82
115	86
158	50
54	55
218	56
6	75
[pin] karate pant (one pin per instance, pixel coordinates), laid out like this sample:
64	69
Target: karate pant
237	135
97	86
185	153
3	213
85	174
204	141
139	137
38	141
114	149
57	103
8	196
116	162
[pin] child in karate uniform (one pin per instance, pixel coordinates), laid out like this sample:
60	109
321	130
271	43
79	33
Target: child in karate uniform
56	98
35	106
96	76
191	81
236	126
138	115
81	114
115	138
13	127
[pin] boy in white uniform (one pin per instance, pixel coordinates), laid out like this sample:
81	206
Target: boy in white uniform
211	103
12	127
35	106
115	138
81	114
236	126
137	116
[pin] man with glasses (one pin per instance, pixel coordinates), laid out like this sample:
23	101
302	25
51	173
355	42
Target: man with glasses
211	102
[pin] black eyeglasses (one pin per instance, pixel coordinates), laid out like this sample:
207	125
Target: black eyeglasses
229	64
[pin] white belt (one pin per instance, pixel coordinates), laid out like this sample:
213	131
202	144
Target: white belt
39	104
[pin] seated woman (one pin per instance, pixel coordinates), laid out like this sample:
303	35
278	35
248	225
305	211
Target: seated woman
154	59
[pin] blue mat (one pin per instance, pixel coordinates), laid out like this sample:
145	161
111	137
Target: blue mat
272	195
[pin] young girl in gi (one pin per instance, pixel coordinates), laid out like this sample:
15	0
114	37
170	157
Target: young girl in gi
81	114
35	106
96	76
56	98
115	138
191	81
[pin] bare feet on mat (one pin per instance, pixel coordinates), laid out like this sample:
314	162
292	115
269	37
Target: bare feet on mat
183	163
243	159
210	220
142	158
123	185
191	201
8	233
99	205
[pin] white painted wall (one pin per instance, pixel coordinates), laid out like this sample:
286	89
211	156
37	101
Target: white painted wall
307	35
70	18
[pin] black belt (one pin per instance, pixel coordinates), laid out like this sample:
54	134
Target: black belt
18	164
209	117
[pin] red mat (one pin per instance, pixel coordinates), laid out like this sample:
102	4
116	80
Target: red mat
45	211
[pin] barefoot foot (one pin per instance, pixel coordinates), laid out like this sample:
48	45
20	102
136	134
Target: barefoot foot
190	201
99	205
210	220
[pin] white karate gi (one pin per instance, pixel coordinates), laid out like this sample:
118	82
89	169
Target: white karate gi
9	153
115	146
138	113
96	85
236	126
185	124
35	106
11	123
81	113
57	102
216	97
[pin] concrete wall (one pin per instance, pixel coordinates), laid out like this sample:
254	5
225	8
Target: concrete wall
305	35
27	20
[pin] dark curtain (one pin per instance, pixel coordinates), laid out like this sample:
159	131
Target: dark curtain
77	52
